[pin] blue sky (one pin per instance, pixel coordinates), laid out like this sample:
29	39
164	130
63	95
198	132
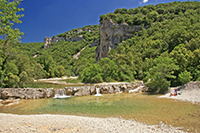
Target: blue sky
46	18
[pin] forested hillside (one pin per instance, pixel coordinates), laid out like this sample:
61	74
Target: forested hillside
167	53
58	59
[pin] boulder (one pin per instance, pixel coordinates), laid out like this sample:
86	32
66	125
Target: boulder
116	88
137	90
123	87
83	91
92	90
190	86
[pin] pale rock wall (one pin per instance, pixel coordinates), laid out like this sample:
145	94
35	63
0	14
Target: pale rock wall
47	40
111	34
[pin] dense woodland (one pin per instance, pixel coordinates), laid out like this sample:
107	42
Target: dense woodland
166	54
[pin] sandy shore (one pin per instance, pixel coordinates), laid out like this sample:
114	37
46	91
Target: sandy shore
72	124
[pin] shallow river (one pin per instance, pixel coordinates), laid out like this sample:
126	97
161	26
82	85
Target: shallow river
141	107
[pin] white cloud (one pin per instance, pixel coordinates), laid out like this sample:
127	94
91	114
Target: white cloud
144	1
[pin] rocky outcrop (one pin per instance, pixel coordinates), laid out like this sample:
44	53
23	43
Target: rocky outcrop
107	89
25	93
190	86
73	35
111	34
49	40
75	38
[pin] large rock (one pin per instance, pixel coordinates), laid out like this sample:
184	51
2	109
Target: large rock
83	91
190	86
47	40
26	93
111	34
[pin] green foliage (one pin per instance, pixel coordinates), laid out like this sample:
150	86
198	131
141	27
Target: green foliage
8	16
30	49
14	67
168	52
159	74
92	74
184	77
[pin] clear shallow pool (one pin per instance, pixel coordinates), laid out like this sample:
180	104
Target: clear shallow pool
145	108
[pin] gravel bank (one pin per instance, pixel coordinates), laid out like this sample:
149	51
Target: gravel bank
72	124
189	92
193	96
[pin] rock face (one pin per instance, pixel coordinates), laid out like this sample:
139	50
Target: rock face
49	40
73	36
107	89
190	86
26	93
111	34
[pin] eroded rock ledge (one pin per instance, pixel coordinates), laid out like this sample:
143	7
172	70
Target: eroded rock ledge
11	96
106	89
25	93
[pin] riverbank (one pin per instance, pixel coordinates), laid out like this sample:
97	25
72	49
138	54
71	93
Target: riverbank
189	92
67	123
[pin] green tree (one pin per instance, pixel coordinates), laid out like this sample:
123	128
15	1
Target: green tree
184	77
92	74
109	70
8	16
159	74
10	35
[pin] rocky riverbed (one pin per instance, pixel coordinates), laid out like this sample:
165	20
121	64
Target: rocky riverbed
73	124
